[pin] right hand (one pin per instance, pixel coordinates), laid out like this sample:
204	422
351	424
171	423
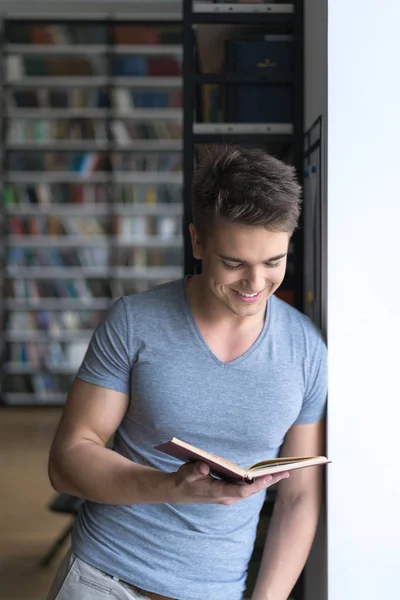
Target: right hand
192	484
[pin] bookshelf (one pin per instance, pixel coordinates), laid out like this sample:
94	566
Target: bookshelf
239	56
91	176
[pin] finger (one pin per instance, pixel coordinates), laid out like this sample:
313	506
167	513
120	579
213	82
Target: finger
238	491
194	471
278	477
258	485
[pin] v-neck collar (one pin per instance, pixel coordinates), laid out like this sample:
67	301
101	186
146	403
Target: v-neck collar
197	333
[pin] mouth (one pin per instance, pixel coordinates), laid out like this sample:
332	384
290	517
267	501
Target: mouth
248	297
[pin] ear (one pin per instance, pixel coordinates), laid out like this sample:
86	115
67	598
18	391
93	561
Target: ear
196	243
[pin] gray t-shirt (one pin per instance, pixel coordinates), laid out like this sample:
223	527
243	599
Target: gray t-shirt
149	347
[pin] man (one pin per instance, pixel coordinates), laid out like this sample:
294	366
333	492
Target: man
218	361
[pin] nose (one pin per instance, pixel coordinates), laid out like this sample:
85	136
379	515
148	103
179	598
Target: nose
254	280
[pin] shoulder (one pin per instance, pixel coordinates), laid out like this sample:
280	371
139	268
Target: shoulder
159	300
290	322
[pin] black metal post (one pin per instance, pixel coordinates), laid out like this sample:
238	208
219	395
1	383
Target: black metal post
298	144
188	140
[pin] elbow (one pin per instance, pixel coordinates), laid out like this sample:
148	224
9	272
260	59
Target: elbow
54	475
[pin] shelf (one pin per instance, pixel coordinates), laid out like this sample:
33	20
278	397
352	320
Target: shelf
58	210
242	14
149	177
94	49
149	114
148	242
141	273
55	49
174	209
148	49
148	82
33	399
55	177
56	304
153	11
134	114
56	113
61	272
26	368
81	210
96	81
243	128
243	78
55	82
59	145
47	336
66	241
147	273
209	133
152	145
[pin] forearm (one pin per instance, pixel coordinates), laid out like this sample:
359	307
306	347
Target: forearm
89	470
290	536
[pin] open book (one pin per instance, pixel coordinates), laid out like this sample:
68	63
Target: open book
230	471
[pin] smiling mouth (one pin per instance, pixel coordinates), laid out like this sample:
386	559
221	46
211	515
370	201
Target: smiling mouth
248	296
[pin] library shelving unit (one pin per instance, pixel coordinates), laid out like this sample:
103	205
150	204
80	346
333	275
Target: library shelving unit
91	178
217	111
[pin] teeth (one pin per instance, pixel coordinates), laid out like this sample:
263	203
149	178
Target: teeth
248	295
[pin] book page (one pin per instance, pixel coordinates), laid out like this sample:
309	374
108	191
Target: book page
283	465
280	461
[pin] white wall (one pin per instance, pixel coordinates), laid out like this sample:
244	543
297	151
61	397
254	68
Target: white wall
363	300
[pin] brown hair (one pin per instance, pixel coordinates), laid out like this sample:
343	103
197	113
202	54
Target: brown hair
244	186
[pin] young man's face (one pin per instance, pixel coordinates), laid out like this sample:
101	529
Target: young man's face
242	265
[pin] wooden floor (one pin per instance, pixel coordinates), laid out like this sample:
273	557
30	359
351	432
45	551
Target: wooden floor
27	528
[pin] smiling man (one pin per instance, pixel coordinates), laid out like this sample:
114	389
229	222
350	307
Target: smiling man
218	361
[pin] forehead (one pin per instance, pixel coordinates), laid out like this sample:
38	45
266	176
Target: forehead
244	241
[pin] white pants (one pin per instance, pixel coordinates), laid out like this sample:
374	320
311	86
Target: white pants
77	580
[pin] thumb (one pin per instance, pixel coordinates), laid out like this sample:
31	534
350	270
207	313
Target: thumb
196	470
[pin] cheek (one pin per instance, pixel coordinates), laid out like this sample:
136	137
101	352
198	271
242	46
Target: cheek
225	277
278	275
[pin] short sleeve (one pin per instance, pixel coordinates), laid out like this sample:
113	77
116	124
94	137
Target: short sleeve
107	361
314	402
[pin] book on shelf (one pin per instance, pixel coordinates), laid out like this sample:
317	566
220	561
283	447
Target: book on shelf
266	102
48	195
48	355
81	289
227	470
59	34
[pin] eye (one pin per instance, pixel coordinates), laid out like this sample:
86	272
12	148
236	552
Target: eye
231	267
274	264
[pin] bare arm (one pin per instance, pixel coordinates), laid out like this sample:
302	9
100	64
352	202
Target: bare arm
80	463
295	517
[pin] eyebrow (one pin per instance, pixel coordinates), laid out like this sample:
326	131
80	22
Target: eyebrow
239	260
